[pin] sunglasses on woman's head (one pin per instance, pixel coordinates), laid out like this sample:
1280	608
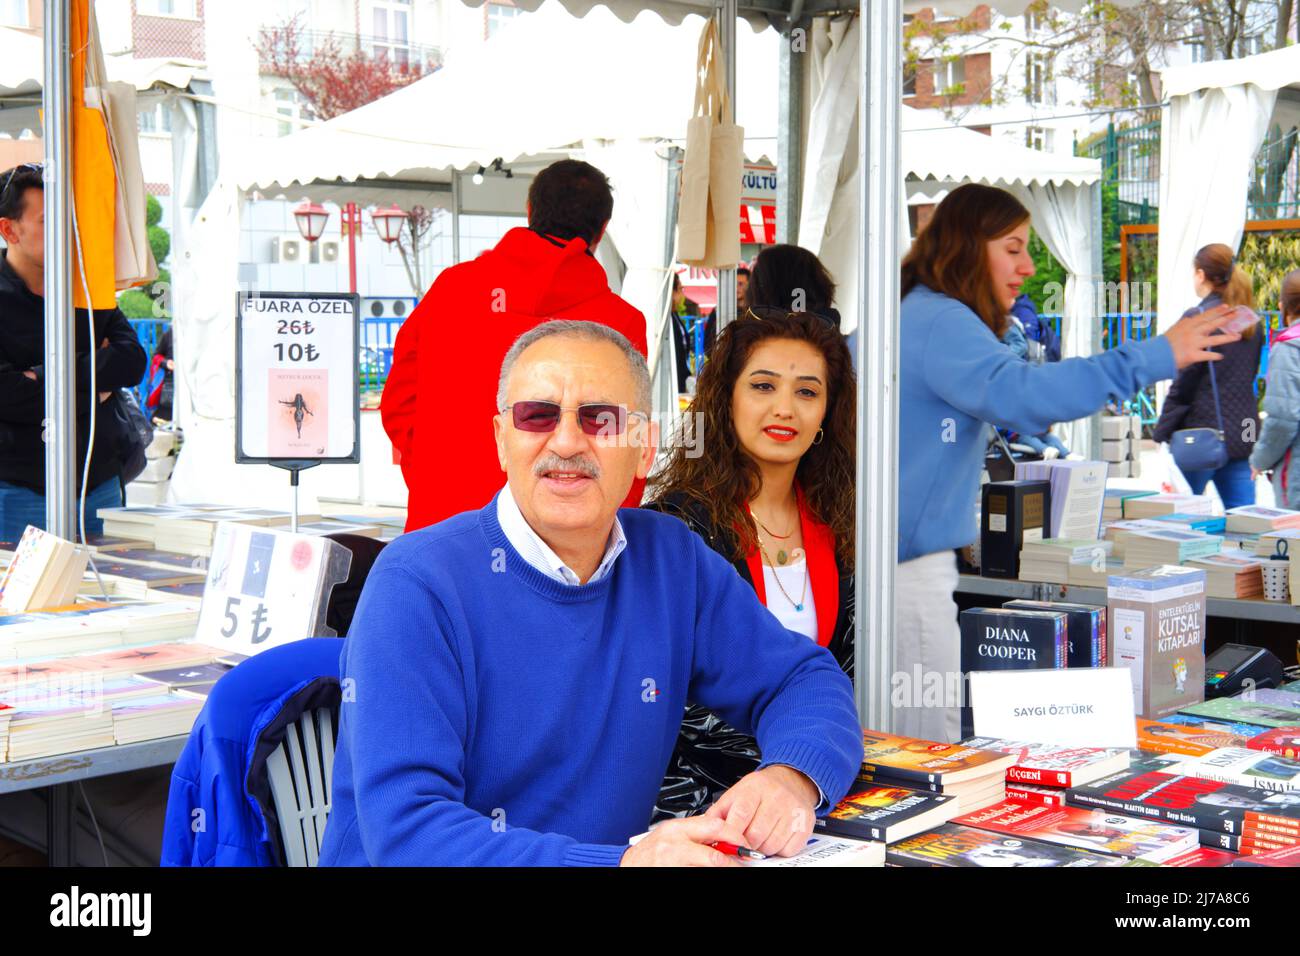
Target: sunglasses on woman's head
593	419
8	179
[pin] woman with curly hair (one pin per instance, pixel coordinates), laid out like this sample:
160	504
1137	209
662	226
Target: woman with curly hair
774	413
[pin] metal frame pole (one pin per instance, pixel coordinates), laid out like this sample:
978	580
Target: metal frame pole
789	135
879	160
455	217
60	344
727	13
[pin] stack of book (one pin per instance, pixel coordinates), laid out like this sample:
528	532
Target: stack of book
1122	836
1112	507
954	845
886	814
134	523
977	778
1257	519
1244	766
67	713
1230	816
1050	765
1088	644
1118	532
1148	548
6	712
1206	524
1093	574
133	579
45	571
329	526
1050	559
1232	575
150	486
161	714
1152	506
1078	488
1266	545
1259	712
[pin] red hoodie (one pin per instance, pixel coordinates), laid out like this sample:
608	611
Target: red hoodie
440	395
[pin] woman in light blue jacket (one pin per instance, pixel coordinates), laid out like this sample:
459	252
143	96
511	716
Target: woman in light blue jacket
1279	438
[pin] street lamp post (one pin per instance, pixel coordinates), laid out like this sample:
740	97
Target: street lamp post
388	222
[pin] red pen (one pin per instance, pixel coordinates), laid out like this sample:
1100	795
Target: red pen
742	851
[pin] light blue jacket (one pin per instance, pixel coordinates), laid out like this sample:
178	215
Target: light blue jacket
1280	434
954	376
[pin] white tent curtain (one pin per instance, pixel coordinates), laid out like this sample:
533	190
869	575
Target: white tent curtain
638	172
1208	142
1062	218
830	212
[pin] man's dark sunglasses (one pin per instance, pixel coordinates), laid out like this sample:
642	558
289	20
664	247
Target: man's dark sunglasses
38	167
593	419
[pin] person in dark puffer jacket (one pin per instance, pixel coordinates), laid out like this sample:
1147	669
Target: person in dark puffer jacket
1190	402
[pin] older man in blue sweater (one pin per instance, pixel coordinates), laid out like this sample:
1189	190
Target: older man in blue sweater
514	677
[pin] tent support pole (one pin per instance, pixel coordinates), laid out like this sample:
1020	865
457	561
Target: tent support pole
789	139
727	13
455	217
1092	427
60	362
879	159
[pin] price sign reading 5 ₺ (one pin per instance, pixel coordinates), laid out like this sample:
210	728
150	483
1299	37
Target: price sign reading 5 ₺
297	377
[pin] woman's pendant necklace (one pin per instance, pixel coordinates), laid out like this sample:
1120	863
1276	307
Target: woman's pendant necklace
781	556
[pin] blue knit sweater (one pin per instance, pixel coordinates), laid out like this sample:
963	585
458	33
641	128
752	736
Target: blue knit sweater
493	716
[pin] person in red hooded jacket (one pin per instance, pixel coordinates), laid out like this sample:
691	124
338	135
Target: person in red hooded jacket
448	353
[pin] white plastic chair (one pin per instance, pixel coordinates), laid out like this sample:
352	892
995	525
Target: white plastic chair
301	786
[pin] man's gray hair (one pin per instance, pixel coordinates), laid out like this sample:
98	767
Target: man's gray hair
591	332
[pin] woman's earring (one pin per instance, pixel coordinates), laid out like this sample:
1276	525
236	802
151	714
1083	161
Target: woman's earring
820	435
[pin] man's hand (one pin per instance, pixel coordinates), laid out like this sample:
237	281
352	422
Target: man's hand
103	396
1190	338
773	808
30	374
685	843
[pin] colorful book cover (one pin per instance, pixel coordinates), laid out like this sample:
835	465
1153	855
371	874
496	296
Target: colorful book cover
1250	768
1048	765
1167	737
953	845
1086	829
1235	709
874	812
1190	801
1284	741
1290	856
298	416
1030	795
1010	639
1202	857
1210	725
926	760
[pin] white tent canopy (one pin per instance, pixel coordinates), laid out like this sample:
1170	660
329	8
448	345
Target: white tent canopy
1218	117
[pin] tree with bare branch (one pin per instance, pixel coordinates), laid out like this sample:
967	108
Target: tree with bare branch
332	79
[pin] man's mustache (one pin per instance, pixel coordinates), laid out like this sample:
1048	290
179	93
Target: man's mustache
578	464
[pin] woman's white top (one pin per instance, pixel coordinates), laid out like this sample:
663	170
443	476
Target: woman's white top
792	579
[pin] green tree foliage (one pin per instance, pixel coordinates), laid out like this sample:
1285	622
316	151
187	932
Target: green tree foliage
151	301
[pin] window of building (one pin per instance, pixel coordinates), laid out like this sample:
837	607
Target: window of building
13	13
909	79
1038	78
156	122
391	30
1196	47
498	15
1252	45
1037	137
292	105
949	76
166	8
1033	21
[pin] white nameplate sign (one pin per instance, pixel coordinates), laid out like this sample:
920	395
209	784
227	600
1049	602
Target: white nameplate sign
1083	707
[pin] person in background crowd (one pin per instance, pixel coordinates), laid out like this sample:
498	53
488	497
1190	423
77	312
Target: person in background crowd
959	280
160	400
119	363
521	670
742	288
793	279
1191	401
773	494
683	317
454	340
1274	453
1037	329
1047	445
